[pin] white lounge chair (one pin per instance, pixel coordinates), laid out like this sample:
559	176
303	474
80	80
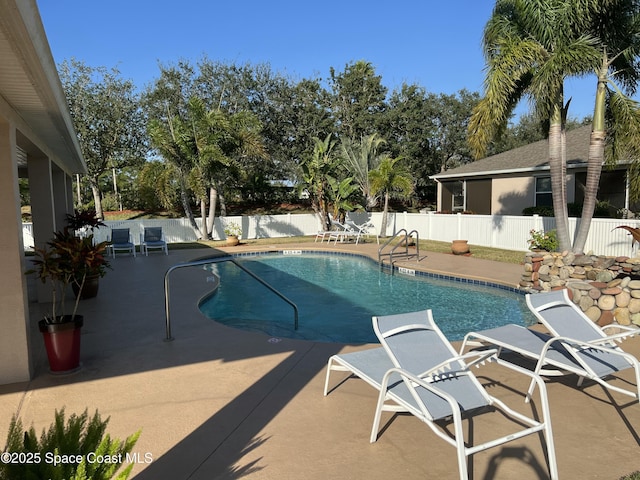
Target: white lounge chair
343	231
121	241
362	230
153	239
576	345
418	371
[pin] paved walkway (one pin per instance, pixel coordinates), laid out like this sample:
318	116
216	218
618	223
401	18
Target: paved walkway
220	403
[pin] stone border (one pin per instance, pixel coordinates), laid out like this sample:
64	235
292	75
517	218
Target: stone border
606	289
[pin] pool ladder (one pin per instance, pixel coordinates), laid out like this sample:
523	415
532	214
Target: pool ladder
207	261
403	243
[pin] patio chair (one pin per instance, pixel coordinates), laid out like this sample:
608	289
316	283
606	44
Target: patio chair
362	230
576	345
343	231
418	371
121	241
153	239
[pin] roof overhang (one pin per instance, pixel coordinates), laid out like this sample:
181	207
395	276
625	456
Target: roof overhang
31	94
515	171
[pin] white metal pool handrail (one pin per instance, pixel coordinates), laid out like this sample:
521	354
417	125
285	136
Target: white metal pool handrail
404	243
206	261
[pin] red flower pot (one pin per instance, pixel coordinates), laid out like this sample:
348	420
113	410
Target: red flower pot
62	342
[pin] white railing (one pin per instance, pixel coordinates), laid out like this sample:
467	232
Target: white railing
499	231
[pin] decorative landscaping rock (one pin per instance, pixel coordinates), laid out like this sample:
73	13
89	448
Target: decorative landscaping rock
623	299
606	289
606	302
621	315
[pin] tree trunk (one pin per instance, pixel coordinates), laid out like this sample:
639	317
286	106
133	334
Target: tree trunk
594	163
203	218
213	202
78	193
385	213
370	202
223	204
97	199
557	168
186	206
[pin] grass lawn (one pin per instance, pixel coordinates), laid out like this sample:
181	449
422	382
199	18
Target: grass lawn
495	254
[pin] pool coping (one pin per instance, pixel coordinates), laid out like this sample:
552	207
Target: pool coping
403	270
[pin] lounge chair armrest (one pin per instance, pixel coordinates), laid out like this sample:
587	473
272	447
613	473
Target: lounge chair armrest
626	332
415	380
478	356
580	344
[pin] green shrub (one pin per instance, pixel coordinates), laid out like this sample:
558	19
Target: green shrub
602	210
632	476
77	449
541	240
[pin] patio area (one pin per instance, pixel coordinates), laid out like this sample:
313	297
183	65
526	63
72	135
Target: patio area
220	403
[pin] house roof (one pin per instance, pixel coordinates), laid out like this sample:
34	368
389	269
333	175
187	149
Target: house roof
527	158
31	93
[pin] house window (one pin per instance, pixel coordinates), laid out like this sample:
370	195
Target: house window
543	192
457	200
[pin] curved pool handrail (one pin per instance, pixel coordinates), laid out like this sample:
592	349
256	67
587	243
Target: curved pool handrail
404	243
206	261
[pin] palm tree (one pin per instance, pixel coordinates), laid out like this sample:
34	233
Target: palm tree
176	146
616	117
360	158
390	178
317	170
531	46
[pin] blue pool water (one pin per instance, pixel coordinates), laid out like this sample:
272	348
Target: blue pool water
337	296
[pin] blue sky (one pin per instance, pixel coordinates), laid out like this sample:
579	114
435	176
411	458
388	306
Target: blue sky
431	43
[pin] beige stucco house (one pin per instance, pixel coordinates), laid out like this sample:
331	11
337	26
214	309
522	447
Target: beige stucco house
38	142
509	182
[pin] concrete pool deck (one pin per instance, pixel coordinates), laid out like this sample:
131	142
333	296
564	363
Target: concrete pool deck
220	403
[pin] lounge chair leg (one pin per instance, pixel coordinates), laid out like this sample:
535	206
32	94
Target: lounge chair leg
376	418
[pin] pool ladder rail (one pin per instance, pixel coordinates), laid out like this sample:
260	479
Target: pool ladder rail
402	243
207	261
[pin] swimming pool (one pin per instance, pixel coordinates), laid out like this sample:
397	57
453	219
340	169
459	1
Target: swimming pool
337	295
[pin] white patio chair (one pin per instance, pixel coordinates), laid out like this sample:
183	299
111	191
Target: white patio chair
417	371
576	345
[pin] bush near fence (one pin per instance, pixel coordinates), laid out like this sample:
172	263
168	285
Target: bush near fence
497	231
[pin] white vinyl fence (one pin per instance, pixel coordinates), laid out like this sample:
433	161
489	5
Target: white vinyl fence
499	231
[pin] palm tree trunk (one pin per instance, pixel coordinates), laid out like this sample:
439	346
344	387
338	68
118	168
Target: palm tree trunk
385	214
223	204
557	168
203	218
594	163
213	202
186	206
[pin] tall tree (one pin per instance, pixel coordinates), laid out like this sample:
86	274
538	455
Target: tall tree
358	99
407	125
450	116
360	157
318	168
391	178
108	119
166	103
530	47
616	116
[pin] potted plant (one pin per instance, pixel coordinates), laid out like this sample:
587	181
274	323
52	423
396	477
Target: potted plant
82	223
233	231
67	260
